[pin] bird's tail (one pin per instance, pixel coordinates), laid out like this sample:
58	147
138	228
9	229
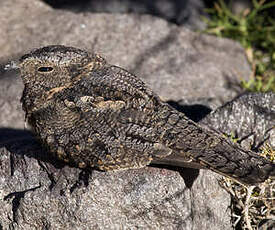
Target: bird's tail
199	147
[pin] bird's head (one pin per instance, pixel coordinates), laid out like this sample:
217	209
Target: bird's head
50	67
54	66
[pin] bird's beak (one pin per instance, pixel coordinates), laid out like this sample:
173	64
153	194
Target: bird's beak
12	65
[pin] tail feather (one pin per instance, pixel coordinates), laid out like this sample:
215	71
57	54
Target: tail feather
199	147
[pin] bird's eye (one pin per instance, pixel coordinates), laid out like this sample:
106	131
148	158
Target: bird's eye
44	69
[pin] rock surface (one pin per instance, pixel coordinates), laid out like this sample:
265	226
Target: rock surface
182	12
38	192
250	118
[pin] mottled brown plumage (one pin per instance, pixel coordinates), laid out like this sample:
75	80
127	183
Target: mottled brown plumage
90	113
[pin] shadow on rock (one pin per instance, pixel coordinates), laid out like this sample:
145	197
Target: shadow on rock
189	175
175	11
22	142
194	112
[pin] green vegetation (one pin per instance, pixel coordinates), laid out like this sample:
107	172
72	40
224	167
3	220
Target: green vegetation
255	30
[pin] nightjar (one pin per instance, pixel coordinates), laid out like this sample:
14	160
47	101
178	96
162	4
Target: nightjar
94	114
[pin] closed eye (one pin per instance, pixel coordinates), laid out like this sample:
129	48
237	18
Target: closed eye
44	69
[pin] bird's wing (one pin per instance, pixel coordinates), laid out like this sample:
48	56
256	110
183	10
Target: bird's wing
121	113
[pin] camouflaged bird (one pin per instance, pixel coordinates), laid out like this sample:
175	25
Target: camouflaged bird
93	114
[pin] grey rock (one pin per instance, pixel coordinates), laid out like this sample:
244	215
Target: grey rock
182	12
249	117
10	93
38	192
